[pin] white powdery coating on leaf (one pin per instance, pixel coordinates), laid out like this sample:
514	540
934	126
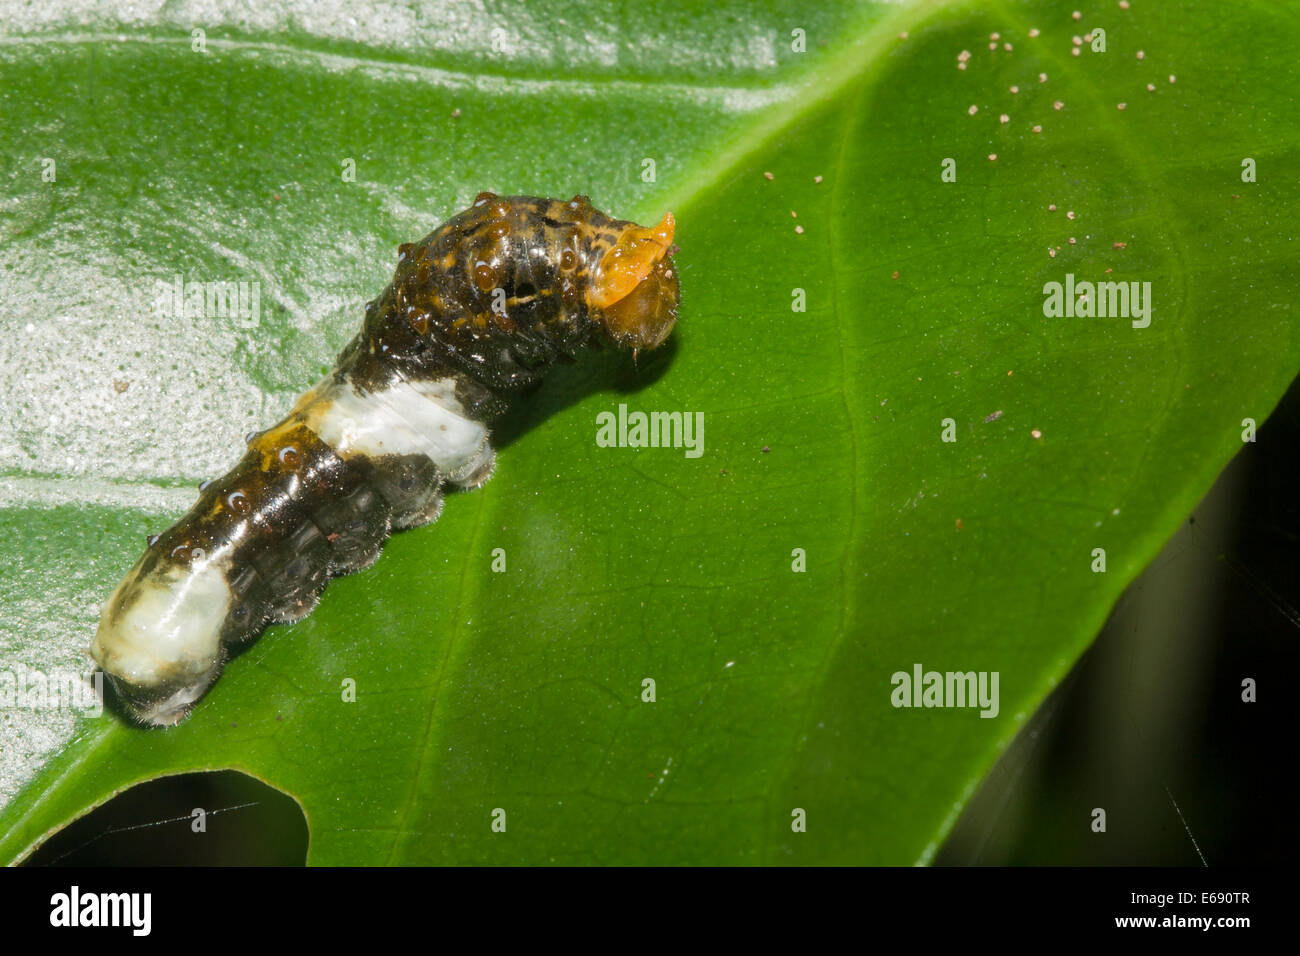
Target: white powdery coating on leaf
63	414
48	622
110	380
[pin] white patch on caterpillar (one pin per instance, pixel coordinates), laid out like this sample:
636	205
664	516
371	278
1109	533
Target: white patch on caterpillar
164	628
405	418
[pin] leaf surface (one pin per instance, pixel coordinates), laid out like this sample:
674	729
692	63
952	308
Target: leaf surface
822	429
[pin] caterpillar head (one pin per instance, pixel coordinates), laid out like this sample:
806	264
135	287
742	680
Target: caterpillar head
507	286
633	293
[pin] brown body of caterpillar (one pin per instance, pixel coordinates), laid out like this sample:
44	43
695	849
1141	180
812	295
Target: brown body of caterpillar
477	310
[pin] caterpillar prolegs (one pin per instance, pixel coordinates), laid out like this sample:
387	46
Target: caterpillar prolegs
476	311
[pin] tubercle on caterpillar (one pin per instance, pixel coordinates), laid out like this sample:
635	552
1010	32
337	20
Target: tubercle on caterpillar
476	311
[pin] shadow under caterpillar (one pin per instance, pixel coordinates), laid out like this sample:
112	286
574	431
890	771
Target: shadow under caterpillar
477	310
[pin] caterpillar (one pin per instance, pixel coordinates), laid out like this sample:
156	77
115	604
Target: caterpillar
477	311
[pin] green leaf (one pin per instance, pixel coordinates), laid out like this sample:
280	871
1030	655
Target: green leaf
822	429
